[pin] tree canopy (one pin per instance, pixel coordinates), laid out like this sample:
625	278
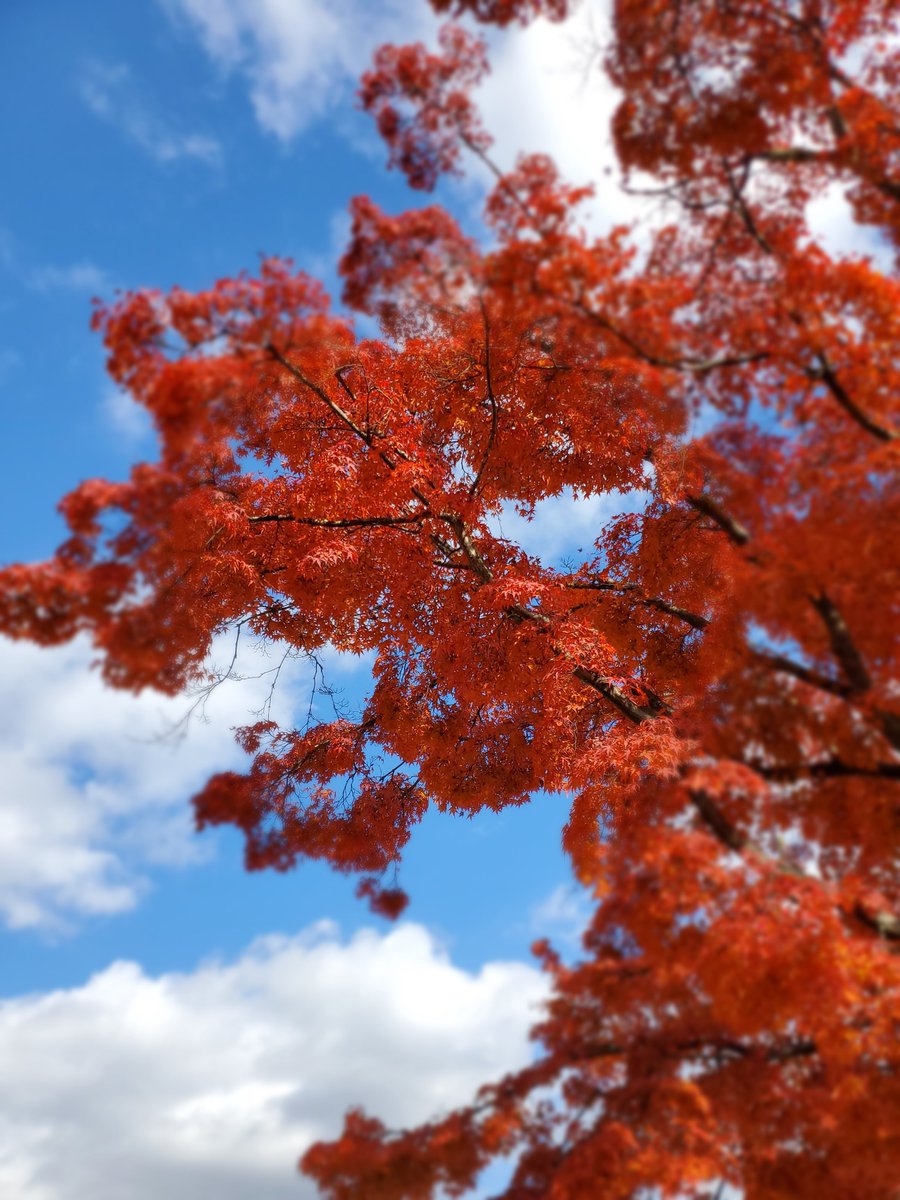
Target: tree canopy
715	685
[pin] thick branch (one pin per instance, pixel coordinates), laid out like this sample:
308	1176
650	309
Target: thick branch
468	547
889	721
711	508
694	366
636	713
339	523
890	726
827	375
788	154
829	768
884	923
842	644
779	662
727	833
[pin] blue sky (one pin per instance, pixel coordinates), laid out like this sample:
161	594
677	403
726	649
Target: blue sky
148	144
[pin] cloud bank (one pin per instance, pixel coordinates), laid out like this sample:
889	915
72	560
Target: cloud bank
212	1083
95	782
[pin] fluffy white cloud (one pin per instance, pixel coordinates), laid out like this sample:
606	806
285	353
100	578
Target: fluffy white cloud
95	782
547	93
213	1083
832	224
298	58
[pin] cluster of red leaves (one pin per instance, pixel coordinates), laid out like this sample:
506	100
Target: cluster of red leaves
421	104
692	1046
504	12
797	87
715	686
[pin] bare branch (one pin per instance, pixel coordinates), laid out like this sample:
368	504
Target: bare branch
477	563
742	208
696	366
339	412
828	768
885	924
727	833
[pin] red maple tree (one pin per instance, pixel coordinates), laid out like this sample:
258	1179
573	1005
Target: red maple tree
716	686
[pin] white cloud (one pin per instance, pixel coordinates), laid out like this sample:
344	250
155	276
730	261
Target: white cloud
547	93
564	526
833	225
128	418
213	1083
93	793
78	277
563	915
84	276
298	57
108	92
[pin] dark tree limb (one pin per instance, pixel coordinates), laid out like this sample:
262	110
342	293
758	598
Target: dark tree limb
842	644
826	373
610	585
339	522
824	683
704	503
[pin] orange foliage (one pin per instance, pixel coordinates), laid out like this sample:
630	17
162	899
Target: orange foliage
716	686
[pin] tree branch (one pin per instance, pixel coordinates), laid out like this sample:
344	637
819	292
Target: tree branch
779	662
339	412
607	585
827	375
842	644
885	924
492	400
340	523
696	366
711	508
829	768
636	713
727	833
743	210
